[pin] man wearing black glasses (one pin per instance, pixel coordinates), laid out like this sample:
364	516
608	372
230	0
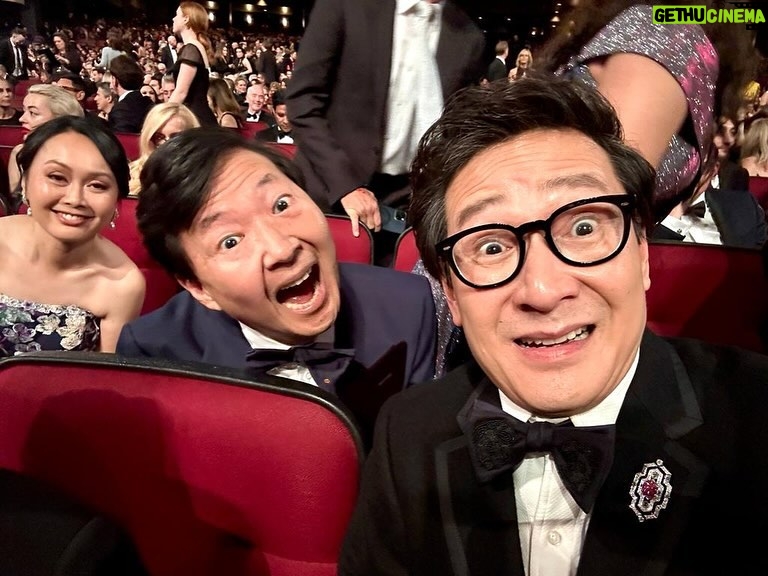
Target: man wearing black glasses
575	441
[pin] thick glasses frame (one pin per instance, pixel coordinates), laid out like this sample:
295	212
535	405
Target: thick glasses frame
624	202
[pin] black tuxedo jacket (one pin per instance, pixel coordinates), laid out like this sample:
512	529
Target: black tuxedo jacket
267	65
8	59
497	70
128	114
379	308
733	176
337	95
42	533
166	57
696	407
737	215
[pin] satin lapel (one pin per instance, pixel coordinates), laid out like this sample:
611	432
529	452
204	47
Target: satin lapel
381	21
720	215
479	520
660	410
224	341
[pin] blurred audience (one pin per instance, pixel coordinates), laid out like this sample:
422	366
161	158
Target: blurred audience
9	116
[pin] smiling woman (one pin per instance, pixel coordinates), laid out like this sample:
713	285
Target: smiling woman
65	287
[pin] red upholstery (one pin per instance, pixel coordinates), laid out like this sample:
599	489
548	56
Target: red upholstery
758	186
23	85
160	285
288	149
250	129
130	144
10	136
406	253
713	293
349	248
209	474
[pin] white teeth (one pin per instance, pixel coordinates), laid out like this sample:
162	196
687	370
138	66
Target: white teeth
299	281
578	334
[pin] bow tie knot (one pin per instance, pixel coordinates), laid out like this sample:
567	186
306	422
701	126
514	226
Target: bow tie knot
499	442
699	210
322	359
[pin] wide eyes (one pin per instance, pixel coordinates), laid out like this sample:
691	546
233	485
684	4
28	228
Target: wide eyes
230	242
281	205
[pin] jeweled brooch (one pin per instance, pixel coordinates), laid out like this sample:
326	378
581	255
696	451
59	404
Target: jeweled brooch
650	491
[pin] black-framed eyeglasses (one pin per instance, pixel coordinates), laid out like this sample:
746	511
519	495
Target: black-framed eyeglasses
160	138
583	233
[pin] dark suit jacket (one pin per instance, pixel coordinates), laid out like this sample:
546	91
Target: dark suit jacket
737	215
379	308
267	65
166	57
497	70
128	114
733	176
42	533
698	408
8	59
338	92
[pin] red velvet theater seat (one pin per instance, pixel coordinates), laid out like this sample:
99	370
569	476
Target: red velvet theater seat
130	143
210	475
713	293
406	253
348	248
160	285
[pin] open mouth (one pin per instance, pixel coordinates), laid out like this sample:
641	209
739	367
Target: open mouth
573	336
300	293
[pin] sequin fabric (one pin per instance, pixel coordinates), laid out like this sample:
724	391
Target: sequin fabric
27	326
688	55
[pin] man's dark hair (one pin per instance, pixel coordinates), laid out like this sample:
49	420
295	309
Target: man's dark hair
78	83
478	118
90	127
278	98
127	72
176	183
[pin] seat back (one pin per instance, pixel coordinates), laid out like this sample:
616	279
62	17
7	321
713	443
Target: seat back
713	293
209	474
758	186
250	129
349	248
161	286
406	253
289	150
10	136
130	144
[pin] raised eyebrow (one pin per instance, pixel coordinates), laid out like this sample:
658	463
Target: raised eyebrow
583	180
470	211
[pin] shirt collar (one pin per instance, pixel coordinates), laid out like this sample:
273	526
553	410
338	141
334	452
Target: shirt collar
605	413
257	340
403	6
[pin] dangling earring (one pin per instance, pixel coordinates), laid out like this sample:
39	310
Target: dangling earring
115	216
24	201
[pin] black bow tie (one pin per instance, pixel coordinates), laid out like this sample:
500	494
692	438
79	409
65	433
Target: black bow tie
323	360
254	116
498	443
698	210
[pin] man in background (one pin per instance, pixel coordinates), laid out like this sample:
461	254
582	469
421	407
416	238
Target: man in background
371	77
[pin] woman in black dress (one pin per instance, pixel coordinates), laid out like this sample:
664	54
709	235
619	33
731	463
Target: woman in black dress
191	70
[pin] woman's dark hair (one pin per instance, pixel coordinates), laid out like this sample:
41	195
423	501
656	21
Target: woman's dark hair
176	183
734	44
92	128
478	118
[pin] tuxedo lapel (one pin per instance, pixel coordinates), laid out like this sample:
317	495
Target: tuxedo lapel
479	520
720	216
659	411
225	343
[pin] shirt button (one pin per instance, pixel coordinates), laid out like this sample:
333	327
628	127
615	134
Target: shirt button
326	380
554	537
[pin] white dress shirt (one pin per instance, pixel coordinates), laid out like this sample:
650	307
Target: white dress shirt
695	229
551	525
406	82
291	370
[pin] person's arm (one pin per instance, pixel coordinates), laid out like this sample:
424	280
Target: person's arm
183	83
127	299
648	100
308	97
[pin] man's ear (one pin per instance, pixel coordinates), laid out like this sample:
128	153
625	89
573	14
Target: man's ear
199	293
450	298
645	263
